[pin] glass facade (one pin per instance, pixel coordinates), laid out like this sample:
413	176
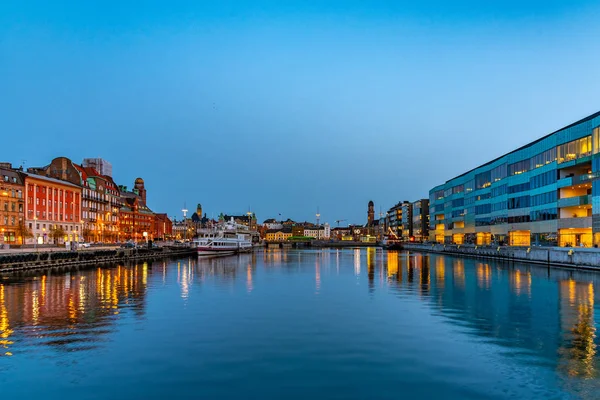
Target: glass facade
544	193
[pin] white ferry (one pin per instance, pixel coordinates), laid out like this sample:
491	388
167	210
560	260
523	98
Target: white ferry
224	241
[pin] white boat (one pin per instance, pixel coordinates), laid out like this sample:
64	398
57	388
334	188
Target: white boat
226	240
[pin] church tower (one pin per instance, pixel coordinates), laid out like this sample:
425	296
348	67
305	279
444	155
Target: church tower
199	210
371	213
139	185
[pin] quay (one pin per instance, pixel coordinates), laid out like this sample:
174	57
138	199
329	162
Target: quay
29	261
572	257
319	243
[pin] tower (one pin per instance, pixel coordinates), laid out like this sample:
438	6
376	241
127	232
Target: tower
184	210
371	213
199	210
318	216
139	185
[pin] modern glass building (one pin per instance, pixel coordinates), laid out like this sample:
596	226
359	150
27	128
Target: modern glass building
544	193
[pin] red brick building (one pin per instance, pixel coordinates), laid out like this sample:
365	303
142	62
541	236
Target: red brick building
52	203
136	220
163	227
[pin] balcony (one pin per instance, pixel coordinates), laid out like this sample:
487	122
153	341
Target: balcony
582	222
575	201
576	179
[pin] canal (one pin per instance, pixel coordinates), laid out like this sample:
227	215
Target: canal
300	324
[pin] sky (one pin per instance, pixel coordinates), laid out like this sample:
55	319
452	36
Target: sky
286	107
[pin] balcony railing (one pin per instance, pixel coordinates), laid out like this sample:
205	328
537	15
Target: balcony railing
577	179
575	201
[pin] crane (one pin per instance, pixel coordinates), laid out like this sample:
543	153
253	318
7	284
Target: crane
340	220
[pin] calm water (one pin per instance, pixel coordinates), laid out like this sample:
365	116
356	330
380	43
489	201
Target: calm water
347	324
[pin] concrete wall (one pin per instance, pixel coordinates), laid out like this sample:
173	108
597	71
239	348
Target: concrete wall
564	256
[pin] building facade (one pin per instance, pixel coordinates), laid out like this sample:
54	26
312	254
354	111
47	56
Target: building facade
52	204
12	204
544	193
163	227
136	220
420	220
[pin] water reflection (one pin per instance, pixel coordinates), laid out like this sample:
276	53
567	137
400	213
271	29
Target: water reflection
530	312
70	312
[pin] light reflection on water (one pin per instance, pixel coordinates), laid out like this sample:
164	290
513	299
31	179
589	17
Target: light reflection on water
433	325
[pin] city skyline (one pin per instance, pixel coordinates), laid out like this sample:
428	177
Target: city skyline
319	106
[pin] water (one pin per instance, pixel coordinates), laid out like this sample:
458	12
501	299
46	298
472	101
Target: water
299	324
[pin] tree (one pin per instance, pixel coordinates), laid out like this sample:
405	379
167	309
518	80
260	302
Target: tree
23	232
56	234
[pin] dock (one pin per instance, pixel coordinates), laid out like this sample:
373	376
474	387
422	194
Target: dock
30	261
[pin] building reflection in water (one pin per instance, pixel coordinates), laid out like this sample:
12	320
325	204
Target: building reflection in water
393	274
371	267
357	262
69	312
578	350
484	276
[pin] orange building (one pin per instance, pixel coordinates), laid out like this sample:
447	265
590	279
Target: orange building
51	204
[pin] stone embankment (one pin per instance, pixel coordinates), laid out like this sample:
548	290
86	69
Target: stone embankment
19	261
578	257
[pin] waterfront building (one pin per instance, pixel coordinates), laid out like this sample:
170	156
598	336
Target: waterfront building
543	193
52	204
12	199
94	203
420	220
248	220
163	227
338	233
400	218
136	219
279	235
318	232
272	223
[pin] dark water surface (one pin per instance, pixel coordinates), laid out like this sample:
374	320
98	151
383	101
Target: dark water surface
302	324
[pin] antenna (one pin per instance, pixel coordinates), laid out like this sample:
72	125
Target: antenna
184	210
318	215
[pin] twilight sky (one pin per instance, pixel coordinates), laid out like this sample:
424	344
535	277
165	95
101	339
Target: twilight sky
286	106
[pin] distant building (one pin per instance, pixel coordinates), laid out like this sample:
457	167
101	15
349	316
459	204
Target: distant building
278	235
247	220
420	220
99	164
398	219
272	223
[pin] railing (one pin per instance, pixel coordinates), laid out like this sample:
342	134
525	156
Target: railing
575	201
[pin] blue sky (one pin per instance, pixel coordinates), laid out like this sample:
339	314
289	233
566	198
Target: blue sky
286	106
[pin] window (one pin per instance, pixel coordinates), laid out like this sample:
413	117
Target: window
519	167
544	215
518	202
458	189
458	203
499	190
596	140
544	198
517	219
574	149
499	206
546	157
483	180
483	209
37	201
498	173
547	178
518	188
